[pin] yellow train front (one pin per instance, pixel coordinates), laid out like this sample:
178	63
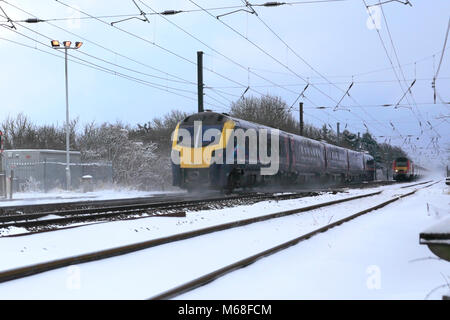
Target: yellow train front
207	154
193	152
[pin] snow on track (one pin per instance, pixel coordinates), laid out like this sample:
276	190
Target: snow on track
41	247
34	198
148	272
376	256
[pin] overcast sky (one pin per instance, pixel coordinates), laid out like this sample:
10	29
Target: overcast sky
331	44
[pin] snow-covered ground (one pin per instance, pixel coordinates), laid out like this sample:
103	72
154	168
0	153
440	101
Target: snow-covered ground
62	196
148	272
376	256
98	236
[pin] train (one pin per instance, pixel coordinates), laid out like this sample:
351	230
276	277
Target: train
404	169
213	150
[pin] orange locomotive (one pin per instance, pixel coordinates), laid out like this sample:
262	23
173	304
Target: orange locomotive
404	169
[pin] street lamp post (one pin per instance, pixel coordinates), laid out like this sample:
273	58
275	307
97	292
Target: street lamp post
66	46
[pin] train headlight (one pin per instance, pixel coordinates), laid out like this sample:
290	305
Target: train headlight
396	170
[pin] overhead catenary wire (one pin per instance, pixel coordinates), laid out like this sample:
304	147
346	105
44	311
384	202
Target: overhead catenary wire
170	12
115	64
358	75
389	58
150	42
98	66
398	62
167	74
278	61
260	49
339	82
94	66
308	64
217	52
419	115
213	88
85	13
267	54
440	62
175	53
8	20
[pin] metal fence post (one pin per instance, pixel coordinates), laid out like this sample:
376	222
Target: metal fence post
11	185
45	176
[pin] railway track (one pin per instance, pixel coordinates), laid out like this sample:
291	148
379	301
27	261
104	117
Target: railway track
34	269
91	204
51	217
132	211
209	277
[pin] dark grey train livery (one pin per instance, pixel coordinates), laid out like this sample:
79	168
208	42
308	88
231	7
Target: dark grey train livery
300	159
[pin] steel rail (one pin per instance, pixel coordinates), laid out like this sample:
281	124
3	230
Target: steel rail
88	214
205	279
48	207
25	271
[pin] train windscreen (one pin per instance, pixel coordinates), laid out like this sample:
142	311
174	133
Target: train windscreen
199	136
401	162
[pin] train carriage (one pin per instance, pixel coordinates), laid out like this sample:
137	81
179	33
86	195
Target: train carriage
204	143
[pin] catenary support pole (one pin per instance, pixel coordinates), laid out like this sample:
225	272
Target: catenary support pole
200	80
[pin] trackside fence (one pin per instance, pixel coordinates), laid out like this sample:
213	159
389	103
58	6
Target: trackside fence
47	175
